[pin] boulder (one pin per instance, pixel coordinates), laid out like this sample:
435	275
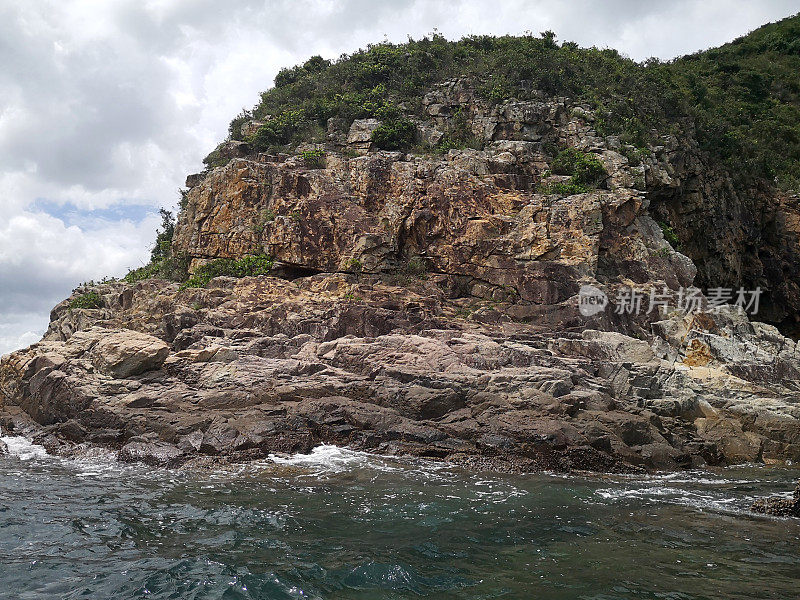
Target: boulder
156	454
251	127
193	179
126	353
606	345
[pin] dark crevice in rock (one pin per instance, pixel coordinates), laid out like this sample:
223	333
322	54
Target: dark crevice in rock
292	271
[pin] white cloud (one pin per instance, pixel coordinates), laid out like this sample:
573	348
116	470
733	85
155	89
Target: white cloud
9	343
112	103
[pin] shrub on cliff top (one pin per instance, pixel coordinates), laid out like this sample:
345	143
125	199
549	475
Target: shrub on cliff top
279	130
394	135
743	97
585	170
249	266
163	264
87	300
171	268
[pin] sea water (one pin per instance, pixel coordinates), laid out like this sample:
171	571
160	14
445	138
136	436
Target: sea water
343	524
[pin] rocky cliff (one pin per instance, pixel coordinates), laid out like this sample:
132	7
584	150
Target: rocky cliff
430	304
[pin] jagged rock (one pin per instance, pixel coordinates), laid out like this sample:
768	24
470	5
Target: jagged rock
193	180
429	305
233	149
3	448
249	128
359	138
157	454
275	365
605	345
429	135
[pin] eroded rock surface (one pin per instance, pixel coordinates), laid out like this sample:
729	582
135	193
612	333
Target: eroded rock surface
262	365
428	305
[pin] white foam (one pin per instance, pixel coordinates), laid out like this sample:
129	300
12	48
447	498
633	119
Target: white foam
326	458
22	448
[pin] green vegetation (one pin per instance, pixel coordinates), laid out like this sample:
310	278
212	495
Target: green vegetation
267	216
743	97
458	136
416	266
215	159
163	264
287	126
585	170
172	268
670	235
397	134
313	159
354	265
184	201
163	246
248	266
87	300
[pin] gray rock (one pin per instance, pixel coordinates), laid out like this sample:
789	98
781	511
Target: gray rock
250	128
359	138
126	353
157	454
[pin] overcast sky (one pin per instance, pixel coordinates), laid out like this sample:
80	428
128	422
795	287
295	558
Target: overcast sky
107	105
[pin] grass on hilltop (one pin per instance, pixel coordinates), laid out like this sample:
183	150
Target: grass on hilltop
743	97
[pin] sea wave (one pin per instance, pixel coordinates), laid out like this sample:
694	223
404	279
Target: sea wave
327	458
23	448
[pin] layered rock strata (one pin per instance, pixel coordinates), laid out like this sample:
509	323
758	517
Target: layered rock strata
429	305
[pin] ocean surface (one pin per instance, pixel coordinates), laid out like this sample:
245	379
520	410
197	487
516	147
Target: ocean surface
342	524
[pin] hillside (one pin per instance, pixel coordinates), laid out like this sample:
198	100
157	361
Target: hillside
501	252
729	117
743	97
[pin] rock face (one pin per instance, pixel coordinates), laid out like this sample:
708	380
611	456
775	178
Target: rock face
259	365
359	137
431	305
477	216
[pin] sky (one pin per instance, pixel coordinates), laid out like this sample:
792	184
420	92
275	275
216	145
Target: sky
107	105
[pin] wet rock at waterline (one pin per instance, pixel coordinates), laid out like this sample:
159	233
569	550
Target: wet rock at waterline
779	506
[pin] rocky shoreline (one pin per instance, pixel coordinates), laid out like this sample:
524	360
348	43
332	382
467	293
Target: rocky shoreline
778	506
248	367
430	306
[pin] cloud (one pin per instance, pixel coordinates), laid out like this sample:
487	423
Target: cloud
106	106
